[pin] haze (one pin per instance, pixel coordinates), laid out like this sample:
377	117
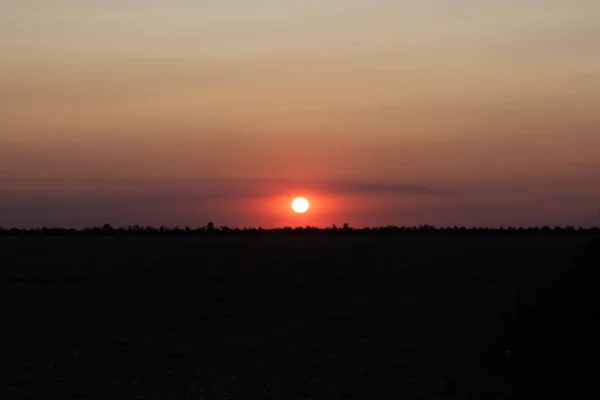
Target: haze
441	112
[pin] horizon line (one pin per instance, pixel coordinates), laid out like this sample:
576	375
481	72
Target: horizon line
211	227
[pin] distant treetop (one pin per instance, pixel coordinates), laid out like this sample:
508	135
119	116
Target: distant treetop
211	230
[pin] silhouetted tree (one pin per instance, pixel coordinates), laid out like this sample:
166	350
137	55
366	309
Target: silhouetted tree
210	226
210	229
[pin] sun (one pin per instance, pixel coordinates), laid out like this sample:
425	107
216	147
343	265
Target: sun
300	205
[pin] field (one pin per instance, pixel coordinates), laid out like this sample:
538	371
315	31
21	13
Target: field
260	318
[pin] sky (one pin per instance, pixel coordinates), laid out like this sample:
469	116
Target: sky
380	112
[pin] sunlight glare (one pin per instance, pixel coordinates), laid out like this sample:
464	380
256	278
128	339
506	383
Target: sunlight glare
300	205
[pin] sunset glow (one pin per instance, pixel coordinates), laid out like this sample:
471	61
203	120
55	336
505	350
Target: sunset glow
405	112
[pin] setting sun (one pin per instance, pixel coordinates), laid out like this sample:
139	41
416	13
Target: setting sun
300	205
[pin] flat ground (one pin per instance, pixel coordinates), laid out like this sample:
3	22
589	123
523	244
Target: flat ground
263	318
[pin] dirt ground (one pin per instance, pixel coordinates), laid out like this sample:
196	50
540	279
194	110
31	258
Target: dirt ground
257	318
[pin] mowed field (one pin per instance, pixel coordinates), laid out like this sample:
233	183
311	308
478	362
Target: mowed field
257	318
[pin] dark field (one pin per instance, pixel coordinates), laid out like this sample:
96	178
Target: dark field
262	318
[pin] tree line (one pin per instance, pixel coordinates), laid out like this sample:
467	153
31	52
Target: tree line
211	230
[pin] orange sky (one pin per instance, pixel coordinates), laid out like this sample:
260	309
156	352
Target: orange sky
489	107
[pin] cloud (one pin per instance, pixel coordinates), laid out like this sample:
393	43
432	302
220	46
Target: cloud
373	187
99	193
158	201
253	186
591	165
